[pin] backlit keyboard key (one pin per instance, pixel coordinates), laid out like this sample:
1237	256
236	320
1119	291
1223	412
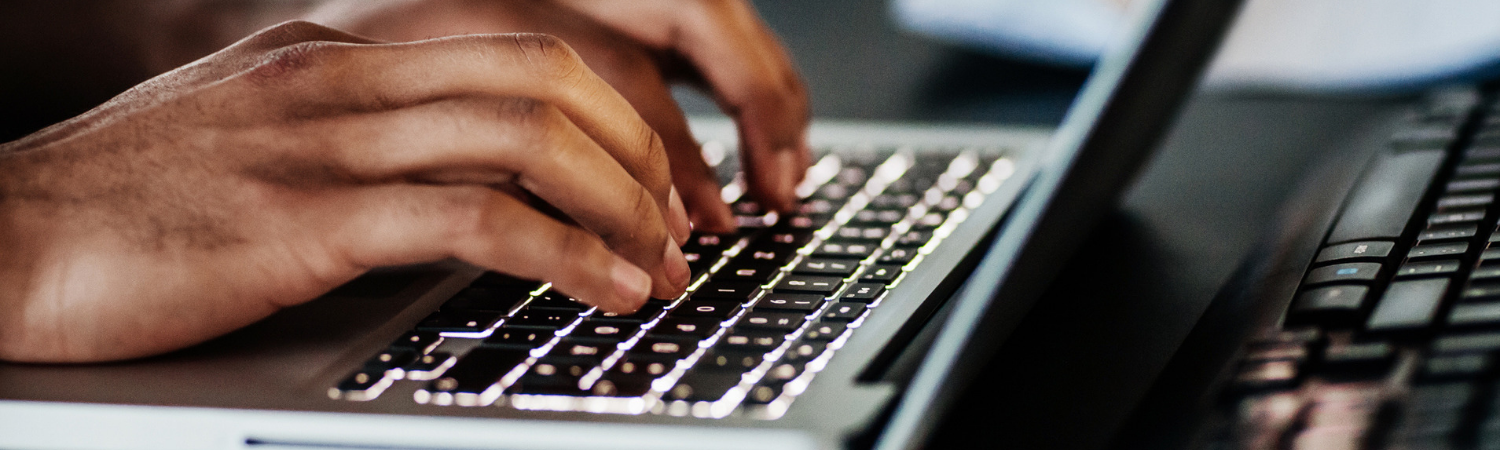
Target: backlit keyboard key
812	284
784	301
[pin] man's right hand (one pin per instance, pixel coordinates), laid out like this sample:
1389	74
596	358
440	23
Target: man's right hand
293	161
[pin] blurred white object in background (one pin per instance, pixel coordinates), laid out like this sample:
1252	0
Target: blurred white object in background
1063	32
1309	45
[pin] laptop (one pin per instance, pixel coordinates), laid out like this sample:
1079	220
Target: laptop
847	324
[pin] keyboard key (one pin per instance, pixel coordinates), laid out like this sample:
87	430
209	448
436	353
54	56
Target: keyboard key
867	235
552	377
719	310
763	393
1466	201
1387	196
751	339
1453	367
1337	305
726	290
703	385
1453	217
1408	305
877	217
929	221
476	371
548	318
1355	250
618	382
845	312
863	292
456	321
844	249
1368	360
1281	351
897	255
1475	314
894	201
824	286
554	299
1490	254
1343	272
605	330
826	267
776	255
664	347
1268	375
588	349
782	301
696	328
825	331
422	342
1438	250
881	273
1482	342
507	336
804	351
1441	232
429	366
804	221
1466	186
648	312
722	358
1416	269
783	372
1485	271
487	299
914	239
362	385
783	238
391	359
758	273
772	319
1482	291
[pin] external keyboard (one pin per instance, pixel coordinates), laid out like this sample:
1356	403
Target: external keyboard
1392	337
769	304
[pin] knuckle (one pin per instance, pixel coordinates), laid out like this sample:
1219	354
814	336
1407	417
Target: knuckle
653	149
461	213
575	243
294	60
548	56
287	33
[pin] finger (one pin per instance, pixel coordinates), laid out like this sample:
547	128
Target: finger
748	71
761	90
696	184
327	78
521	141
402	224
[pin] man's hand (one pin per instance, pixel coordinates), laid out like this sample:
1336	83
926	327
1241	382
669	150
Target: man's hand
640	46
289	163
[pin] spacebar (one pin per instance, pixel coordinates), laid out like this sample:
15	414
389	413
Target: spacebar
1387	196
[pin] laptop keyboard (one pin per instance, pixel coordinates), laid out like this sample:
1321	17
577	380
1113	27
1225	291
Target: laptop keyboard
768	307
1392	337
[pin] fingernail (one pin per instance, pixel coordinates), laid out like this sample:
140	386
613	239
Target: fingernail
631	283
678	218
676	267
